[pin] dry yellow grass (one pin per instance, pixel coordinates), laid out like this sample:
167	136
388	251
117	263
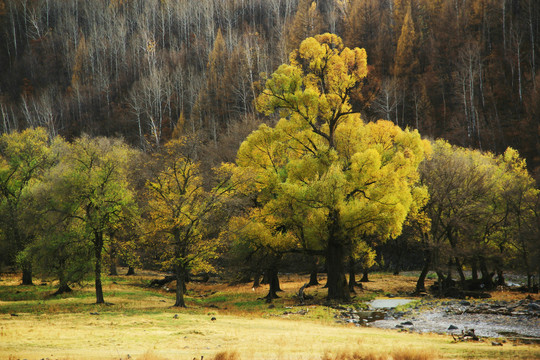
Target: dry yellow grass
142	324
402	354
159	336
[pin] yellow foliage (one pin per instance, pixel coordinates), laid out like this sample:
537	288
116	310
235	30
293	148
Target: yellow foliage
179	208
321	160
406	60
313	91
368	178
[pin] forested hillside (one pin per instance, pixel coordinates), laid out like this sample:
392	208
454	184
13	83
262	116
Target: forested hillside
463	70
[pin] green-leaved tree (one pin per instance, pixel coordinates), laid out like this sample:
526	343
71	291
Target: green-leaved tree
24	157
93	191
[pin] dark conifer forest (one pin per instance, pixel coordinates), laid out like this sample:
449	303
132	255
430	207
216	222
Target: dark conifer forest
462	70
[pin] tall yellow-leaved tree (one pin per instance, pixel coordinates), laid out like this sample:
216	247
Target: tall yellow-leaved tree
326	177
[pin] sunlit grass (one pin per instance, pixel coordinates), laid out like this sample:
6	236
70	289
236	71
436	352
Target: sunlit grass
141	322
160	335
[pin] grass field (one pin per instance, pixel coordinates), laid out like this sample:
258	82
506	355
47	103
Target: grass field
139	322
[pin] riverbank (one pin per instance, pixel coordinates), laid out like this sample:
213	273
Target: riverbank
494	319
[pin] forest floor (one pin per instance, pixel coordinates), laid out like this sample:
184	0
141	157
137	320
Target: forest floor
138	322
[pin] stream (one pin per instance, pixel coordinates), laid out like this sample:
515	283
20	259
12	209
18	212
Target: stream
494	319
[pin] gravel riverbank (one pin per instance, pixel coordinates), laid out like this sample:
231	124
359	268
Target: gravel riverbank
519	319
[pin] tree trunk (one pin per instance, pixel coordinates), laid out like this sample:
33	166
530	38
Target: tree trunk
500	278
187	279
63	286
365	276
325	270
98	246
273	281
265	279
487	278
352	279
313	280
27	273
337	283
179	271
421	282
459	269
314	271
112	267
474	270
180	286
131	271
256	280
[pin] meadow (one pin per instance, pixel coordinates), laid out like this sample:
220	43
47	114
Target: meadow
221	322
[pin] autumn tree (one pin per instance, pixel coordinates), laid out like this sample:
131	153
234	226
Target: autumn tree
306	22
182	211
457	187
257	234
478	211
125	239
60	250
321	160
518	234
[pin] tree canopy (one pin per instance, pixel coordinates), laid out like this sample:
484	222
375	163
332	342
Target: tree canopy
181	211
24	157
325	176
94	191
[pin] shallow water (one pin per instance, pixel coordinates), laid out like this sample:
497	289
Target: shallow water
388	303
438	321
